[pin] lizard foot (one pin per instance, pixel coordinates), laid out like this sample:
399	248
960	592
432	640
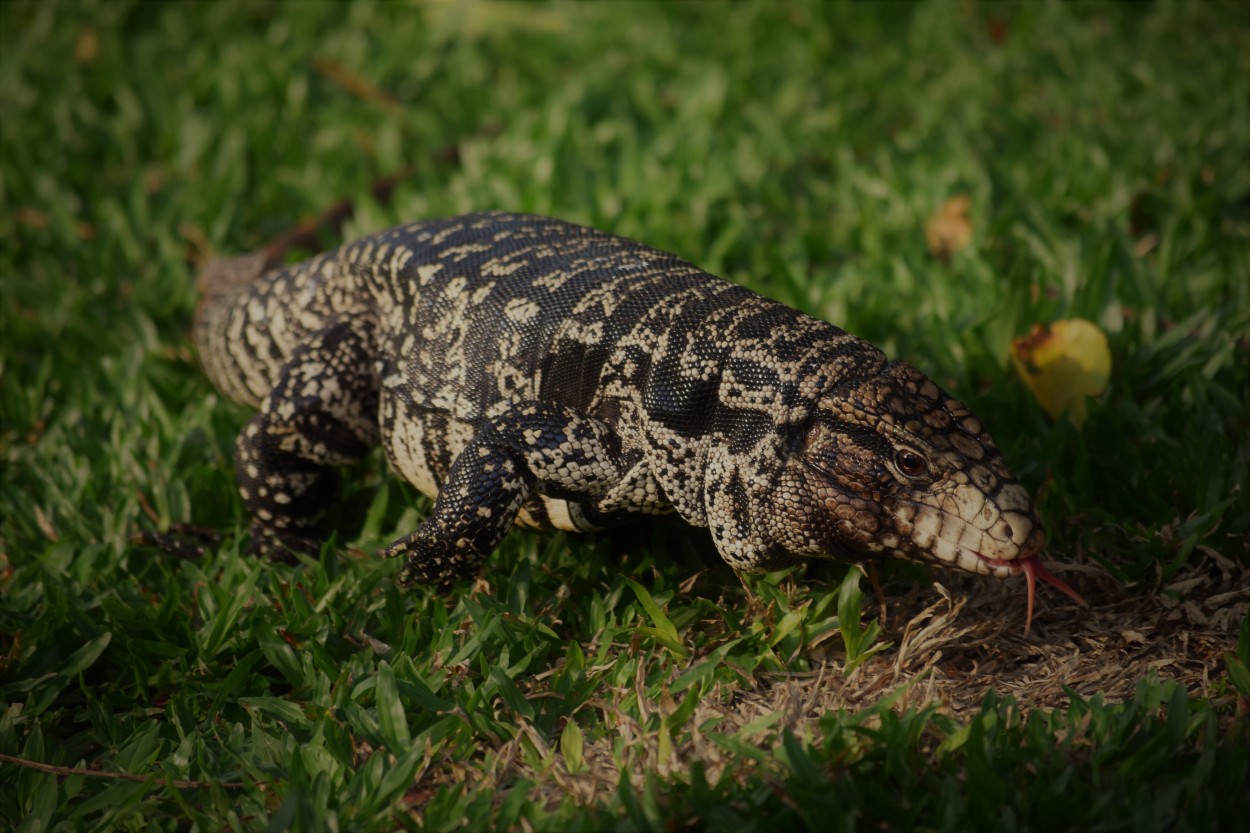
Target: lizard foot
432	562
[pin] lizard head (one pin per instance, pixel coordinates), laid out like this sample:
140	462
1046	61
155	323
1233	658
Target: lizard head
893	465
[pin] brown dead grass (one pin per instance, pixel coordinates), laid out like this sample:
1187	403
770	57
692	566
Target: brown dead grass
971	640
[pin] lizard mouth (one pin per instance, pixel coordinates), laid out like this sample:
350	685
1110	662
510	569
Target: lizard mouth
1033	570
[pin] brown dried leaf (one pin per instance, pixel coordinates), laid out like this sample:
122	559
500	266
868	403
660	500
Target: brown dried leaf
950	229
87	46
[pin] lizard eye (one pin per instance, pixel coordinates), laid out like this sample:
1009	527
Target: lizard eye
910	463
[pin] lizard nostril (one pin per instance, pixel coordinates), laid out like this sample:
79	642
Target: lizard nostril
1009	533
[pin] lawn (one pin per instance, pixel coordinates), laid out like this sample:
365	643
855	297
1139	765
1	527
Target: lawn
629	680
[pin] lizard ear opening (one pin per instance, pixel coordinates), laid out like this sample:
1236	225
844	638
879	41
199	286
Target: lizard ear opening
836	449
817	446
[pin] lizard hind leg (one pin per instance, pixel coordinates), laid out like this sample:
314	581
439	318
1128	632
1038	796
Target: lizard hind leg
320	414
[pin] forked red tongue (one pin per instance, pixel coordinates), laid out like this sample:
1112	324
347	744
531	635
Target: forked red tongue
1033	570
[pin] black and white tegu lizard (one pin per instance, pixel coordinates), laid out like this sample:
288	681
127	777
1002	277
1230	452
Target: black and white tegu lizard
521	369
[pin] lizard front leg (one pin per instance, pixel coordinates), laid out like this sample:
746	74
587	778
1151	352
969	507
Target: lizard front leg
321	414
531	445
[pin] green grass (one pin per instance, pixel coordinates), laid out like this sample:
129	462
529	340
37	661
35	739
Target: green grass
797	149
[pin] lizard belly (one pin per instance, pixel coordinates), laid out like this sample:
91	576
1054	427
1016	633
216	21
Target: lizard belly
545	512
421	446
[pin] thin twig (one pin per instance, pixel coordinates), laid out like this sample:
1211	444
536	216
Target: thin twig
124	776
357	84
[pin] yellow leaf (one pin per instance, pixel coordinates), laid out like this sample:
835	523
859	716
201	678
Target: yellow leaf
949	230
1062	364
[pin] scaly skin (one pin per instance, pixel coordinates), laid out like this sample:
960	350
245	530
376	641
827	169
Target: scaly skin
521	369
